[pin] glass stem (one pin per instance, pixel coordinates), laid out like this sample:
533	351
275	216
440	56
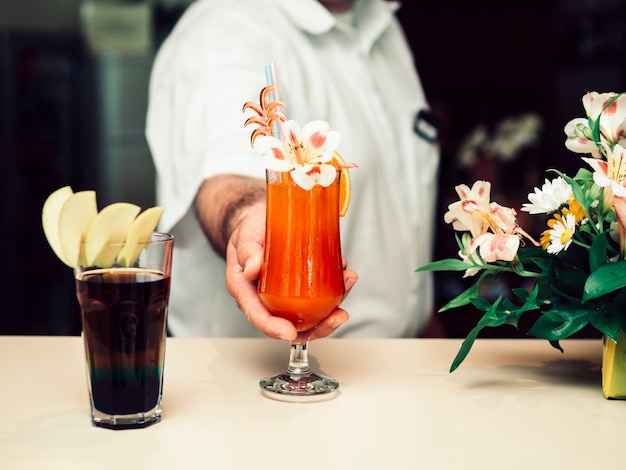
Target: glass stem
299	356
299	359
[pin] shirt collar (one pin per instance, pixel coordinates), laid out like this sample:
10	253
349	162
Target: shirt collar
308	15
373	16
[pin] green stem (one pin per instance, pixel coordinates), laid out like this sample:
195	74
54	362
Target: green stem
511	270
581	244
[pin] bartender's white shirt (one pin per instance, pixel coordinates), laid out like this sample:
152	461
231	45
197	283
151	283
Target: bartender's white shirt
355	72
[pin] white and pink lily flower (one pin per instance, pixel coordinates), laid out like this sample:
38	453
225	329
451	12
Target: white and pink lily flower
493	247
619	204
304	152
612	123
495	234
579	138
612	118
503	241
469	257
465	214
611	175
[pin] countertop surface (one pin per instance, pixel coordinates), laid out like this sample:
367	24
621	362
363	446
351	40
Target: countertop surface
515	403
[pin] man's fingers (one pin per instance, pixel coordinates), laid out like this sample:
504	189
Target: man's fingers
245	294
330	324
349	280
244	254
264	321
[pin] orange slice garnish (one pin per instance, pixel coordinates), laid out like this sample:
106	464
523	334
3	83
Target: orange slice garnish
345	187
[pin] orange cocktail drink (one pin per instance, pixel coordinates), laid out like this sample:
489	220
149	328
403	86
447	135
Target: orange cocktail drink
301	277
302	274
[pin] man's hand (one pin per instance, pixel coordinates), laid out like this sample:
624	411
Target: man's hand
243	263
231	210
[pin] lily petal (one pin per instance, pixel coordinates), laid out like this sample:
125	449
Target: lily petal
578	137
504	217
273	153
619	203
496	247
303	180
464	215
320	141
326	176
323	175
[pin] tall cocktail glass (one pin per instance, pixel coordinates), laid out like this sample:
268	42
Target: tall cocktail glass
124	320
301	275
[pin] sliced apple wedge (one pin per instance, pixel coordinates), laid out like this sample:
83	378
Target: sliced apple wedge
109	227
139	232
50	219
76	215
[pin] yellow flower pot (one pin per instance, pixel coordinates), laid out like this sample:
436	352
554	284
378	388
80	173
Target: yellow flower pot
614	367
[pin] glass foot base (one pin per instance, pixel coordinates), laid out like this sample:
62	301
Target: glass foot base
299	388
131	421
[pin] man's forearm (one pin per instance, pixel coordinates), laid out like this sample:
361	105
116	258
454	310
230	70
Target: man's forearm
222	202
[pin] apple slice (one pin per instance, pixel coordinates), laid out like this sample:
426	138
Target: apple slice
109	227
50	219
75	217
139	232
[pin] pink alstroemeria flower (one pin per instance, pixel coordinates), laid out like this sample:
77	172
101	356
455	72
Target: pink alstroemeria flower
612	124
303	152
503	242
494	230
465	214
611	174
612	119
579	138
619	204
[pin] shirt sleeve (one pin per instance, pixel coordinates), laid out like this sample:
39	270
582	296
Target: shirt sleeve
209	66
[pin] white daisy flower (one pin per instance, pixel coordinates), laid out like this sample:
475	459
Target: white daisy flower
552	195
561	233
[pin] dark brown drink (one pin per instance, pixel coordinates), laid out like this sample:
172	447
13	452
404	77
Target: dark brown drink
124	315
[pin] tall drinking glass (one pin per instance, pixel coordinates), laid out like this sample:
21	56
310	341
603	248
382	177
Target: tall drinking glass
301	275
124	318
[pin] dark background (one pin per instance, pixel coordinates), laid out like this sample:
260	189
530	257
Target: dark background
479	62
485	60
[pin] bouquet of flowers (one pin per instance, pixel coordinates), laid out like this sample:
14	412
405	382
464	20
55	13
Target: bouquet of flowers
578	266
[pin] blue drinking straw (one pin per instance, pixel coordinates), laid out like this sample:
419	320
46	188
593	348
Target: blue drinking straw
270	79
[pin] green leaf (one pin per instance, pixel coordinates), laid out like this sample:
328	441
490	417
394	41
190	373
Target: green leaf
595	128
584	174
608	324
466	346
450	264
579	194
532	254
610	317
490	318
481	304
569	281
464	298
560	322
501	312
498	314
607	278
556	345
597	254
523	293
532	261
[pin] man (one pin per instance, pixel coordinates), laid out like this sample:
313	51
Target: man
344	62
